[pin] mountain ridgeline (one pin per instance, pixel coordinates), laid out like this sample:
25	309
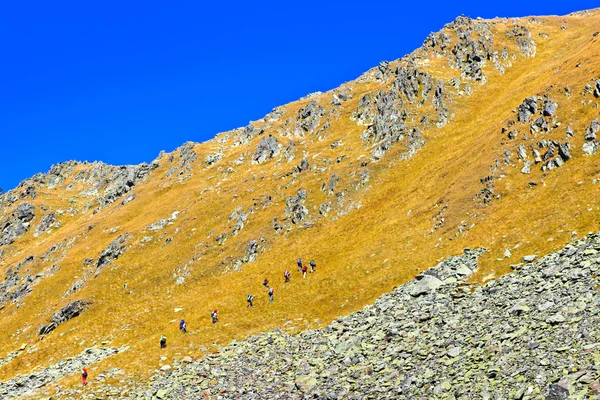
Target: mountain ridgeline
477	154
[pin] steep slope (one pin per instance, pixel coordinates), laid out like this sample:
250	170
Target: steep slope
483	137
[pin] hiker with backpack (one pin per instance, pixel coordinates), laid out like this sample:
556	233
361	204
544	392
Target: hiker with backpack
250	300
271	293
266	283
215	316
163	341
287	275
313	265
299	262
183	326
84	375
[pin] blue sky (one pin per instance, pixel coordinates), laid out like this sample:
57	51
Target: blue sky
120	81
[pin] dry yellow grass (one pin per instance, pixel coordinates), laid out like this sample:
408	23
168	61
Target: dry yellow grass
360	255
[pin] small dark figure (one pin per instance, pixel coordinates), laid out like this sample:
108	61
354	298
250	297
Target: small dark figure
183	326
250	300
84	376
163	341
304	268
266	283
313	265
271	293
287	275
299	262
215	316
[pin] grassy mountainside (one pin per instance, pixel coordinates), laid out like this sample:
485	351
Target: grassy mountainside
376	180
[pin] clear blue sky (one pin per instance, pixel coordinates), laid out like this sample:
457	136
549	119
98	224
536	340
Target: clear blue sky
120	81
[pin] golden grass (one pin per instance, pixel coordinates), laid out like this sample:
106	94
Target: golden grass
360	255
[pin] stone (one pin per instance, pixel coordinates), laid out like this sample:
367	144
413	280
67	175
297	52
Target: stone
550	108
425	284
527	109
268	148
306	383
557	392
529	259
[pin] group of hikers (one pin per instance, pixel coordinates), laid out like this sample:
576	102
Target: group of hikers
286	276
303	268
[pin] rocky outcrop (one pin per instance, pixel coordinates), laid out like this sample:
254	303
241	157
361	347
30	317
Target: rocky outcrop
111	253
530	334
16	226
48	221
70	311
268	148
127	177
295	208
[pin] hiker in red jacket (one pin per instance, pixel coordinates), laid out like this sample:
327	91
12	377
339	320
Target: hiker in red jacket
84	376
266	283
304	268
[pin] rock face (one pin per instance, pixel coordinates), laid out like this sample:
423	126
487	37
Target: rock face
530	334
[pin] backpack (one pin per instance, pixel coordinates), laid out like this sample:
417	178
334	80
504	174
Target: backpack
313	263
249	297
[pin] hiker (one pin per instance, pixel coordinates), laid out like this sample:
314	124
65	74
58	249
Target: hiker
249	300
304	268
215	316
183	326
287	275
266	283
299	262
84	376
163	341
271	292
313	265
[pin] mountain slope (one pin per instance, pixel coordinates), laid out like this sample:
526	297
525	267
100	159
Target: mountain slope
483	137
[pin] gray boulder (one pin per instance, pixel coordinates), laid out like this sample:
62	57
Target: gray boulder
268	148
424	284
550	107
527	109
